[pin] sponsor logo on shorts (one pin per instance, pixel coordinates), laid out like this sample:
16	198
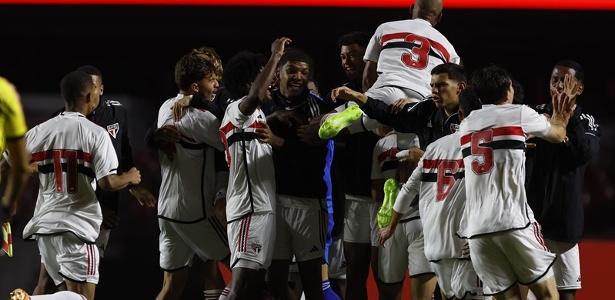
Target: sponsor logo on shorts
256	247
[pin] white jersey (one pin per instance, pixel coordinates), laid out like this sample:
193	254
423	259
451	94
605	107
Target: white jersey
406	51
384	161
252	178
70	152
493	143
442	197
189	181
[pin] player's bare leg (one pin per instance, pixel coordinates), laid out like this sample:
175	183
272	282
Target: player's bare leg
88	290
213	281
173	284
423	286
357	268
311	279
278	278
390	290
545	289
246	284
45	284
567	294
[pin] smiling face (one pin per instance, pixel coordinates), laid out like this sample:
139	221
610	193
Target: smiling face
352	60
294	77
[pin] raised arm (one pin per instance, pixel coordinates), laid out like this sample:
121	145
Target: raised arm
260	86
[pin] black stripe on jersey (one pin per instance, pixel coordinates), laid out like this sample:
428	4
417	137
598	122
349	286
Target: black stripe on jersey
190	146
241	136
203	202
496	145
433	177
245	164
407	45
48	168
390	165
409	219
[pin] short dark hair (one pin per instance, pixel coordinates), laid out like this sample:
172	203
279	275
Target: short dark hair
296	54
491	84
240	71
356	37
195	66
454	71
91	70
579	72
519	92
469	101
75	86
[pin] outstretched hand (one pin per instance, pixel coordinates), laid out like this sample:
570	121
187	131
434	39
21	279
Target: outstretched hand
278	46
348	94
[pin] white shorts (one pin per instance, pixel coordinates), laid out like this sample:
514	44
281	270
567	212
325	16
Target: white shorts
301	228
66	256
252	238
403	251
103	241
567	267
456	278
337	260
505	258
388	95
360	221
179	242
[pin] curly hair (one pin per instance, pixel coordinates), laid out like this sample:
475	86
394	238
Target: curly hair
200	63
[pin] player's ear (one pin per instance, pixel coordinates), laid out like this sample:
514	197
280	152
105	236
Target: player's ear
194	88
102	89
461	86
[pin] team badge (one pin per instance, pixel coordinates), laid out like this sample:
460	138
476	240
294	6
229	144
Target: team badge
113	129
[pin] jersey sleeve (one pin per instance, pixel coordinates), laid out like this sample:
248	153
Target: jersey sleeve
11	110
201	127
372	52
104	157
533	123
376	170
408	191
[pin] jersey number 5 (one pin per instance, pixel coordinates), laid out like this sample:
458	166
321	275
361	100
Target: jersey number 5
71	170
446	166
419	57
479	151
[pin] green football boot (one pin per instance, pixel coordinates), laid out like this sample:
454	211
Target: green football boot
391	189
335	123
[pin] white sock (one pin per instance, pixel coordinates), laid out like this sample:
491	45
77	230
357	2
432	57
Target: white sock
212	294
224	293
64	295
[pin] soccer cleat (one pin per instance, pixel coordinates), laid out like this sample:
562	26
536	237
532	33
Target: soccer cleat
7	240
335	123
386	210
19	294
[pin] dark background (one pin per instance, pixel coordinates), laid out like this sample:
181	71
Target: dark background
136	48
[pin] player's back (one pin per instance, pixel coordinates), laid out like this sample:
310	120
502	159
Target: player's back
493	143
442	198
188	185
71	152
406	51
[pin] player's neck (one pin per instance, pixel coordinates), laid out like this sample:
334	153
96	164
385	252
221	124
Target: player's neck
79	107
451	110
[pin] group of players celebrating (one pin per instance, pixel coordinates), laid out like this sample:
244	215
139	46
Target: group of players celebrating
263	173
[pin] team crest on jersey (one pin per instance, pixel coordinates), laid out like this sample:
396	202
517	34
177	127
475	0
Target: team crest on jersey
113	129
256	247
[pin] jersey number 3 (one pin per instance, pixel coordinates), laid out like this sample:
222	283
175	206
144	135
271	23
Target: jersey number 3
419	57
486	153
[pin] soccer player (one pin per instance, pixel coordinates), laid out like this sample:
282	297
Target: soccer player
556	174
113	117
399	60
70	152
301	190
12	131
438	179
192	187
506	243
250	207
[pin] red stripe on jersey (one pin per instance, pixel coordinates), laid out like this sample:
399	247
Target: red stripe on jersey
227	128
441	49
87	259
387	154
393	36
245	241
57	169
434	163
508	130
257	124
61	153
